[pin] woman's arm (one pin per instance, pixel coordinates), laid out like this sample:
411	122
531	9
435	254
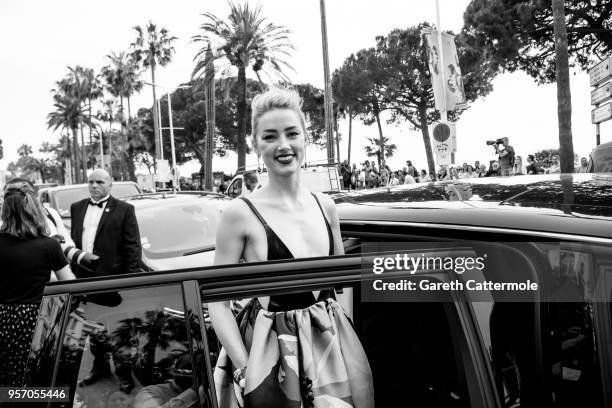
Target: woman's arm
230	242
65	273
345	299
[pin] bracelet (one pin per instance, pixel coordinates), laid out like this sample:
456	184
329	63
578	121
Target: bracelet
239	376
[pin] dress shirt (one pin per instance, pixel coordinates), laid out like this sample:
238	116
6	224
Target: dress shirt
90	224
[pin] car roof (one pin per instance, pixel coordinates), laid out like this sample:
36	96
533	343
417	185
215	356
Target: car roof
151	200
563	204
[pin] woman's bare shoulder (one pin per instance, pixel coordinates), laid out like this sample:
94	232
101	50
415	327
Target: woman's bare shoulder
236	211
327	202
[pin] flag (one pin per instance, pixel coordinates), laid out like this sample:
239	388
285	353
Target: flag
450	81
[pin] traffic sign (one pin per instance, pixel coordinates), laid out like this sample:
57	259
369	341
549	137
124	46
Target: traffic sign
602	113
163	171
601	72
601	94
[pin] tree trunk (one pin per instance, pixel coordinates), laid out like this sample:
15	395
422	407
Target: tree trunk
380	133
337	137
242	119
350	135
123	140
156	129
564	97
110	149
131	168
427	142
90	130
75	153
83	155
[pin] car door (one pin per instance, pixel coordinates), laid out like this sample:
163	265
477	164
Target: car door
423	350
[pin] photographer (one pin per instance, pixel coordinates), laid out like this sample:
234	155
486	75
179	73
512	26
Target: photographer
506	155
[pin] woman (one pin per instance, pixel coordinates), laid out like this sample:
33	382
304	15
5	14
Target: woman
264	352
425	177
27	256
519	168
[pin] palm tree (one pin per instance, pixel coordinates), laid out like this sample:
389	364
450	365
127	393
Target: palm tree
68	114
378	146
109	114
564	97
245	39
152	48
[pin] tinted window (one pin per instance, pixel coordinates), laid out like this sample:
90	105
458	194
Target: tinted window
127	348
176	229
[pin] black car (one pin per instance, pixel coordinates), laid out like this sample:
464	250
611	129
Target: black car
443	347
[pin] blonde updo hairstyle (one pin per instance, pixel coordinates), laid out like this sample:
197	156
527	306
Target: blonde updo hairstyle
273	99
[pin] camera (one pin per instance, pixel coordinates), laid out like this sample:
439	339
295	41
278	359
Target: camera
495	142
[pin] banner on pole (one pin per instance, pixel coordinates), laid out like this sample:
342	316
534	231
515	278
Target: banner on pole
450	80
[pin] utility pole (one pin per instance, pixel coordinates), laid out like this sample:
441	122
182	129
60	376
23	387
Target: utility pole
329	114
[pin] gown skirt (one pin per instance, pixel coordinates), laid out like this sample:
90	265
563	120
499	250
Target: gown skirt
17	322
308	357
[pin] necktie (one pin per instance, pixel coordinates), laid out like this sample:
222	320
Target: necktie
100	204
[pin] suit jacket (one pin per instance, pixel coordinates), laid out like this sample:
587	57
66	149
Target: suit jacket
117	240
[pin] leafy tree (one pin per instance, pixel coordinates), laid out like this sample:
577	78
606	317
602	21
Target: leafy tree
152	48
68	114
377	146
1	150
313	107
398	80
519	34
245	39
359	88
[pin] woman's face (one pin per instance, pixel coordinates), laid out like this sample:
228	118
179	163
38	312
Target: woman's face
280	141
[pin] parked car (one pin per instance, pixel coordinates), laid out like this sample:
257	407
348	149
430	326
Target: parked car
441	348
62	197
177	230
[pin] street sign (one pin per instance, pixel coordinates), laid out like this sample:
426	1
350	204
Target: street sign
601	72
445	138
163	171
601	94
602	113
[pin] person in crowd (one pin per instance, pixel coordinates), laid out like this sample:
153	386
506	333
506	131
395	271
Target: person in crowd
425	176
362	179
454	174
411	169
532	167
555	167
506	157
283	220
467	172
494	169
354	177
584	165
408	178
27	254
367	169
250	183
107	227
443	173
401	176
476	165
519	168
345	174
482	171
394	179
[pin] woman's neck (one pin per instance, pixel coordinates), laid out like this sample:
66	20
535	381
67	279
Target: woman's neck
287	188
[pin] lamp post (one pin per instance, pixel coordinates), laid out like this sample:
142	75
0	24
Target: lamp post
170	125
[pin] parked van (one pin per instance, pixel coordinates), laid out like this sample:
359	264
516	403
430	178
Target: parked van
316	178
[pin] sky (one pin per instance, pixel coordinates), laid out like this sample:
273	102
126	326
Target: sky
41	38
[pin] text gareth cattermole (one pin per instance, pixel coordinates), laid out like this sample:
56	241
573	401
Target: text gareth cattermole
413	264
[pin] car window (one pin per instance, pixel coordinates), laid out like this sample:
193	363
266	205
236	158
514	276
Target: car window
235	189
128	349
124	190
43	352
65	198
179	229
541	347
413	349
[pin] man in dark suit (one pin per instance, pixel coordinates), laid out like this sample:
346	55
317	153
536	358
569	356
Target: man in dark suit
106	227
